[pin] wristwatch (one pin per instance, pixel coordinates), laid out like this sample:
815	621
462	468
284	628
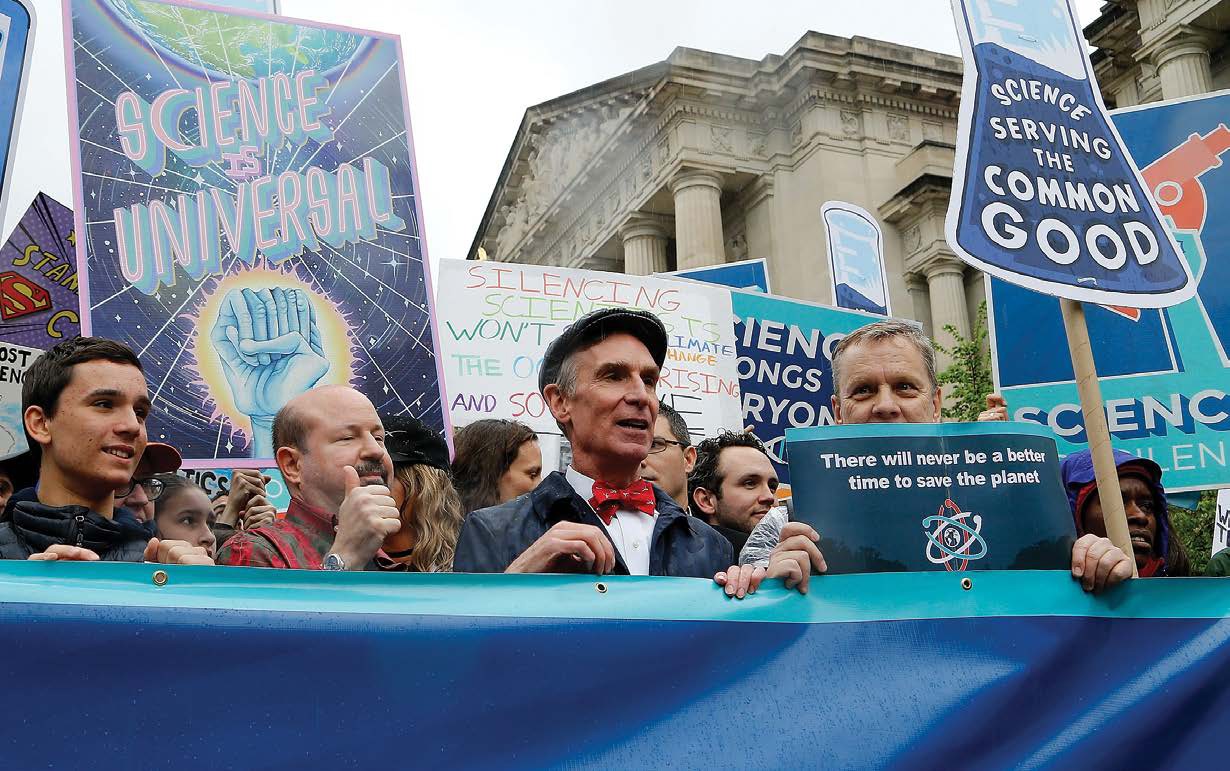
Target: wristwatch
333	562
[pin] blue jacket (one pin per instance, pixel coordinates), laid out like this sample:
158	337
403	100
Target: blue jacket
492	538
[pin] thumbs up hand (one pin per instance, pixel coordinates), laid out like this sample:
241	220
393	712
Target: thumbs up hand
366	517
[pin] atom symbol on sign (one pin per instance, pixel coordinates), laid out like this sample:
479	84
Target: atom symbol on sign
953	541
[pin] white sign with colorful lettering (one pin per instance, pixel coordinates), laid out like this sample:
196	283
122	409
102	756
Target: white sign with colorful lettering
496	320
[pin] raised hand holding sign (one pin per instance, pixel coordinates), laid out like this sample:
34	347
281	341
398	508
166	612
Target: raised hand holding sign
270	348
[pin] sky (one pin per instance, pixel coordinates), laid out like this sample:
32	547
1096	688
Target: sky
474	66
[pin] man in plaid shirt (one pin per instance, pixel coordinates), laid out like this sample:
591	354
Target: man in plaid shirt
330	449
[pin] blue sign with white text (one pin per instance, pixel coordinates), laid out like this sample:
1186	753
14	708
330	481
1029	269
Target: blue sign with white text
1165	373
1044	193
785	350
945	496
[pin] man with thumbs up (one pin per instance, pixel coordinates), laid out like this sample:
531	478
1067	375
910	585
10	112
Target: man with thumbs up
329	445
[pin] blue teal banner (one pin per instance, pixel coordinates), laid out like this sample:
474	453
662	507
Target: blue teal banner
1044	193
752	275
1164	372
785	352
250	668
949	496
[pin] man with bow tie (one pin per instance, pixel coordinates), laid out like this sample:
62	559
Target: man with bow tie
599	378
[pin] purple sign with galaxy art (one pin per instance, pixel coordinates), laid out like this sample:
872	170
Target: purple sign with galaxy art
249	216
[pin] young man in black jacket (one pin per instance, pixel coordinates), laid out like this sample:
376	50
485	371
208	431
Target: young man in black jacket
84	403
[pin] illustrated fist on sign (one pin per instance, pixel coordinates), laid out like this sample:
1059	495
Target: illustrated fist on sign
271	351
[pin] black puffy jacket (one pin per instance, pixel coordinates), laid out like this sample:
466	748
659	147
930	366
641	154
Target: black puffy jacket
32	527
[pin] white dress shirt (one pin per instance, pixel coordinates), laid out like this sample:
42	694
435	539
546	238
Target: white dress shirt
631	529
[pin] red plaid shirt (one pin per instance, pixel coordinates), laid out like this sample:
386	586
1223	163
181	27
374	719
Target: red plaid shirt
301	540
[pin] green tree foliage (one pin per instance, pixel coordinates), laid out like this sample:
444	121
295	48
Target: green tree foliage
1195	530
969	375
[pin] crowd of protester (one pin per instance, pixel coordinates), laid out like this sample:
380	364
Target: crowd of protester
641	495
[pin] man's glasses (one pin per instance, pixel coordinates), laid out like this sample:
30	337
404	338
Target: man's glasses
153	488
659	444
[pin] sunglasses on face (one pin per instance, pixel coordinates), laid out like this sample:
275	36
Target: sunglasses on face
152	487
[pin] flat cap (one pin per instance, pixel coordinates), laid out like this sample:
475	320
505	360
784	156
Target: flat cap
597	326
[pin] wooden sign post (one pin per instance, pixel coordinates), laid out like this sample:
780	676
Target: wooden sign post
1096	430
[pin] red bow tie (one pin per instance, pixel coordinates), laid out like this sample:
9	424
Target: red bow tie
607	500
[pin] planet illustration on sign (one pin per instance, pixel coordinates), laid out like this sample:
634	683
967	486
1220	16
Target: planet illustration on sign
954	537
207	40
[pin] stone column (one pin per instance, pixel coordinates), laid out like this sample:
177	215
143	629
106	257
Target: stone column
1127	93
644	247
920	303
698	218
1183	67
946	286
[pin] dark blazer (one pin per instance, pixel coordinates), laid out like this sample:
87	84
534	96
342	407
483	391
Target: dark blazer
492	538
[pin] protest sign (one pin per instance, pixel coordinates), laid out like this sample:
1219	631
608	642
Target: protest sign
496	320
856	258
785	350
14	361
953	496
14	33
1044	193
39	305
248	217
218	481
1165	372
752	275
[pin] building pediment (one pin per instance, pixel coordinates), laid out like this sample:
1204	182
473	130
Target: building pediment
567	174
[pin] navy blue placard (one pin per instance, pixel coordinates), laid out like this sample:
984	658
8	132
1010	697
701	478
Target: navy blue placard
955	497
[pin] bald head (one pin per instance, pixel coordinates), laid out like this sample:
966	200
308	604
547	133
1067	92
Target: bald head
293	421
320	432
